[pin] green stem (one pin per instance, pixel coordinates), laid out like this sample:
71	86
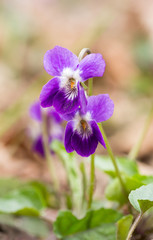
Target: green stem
84	182
47	153
84	85
73	175
90	86
134	225
109	150
135	150
92	180
92	168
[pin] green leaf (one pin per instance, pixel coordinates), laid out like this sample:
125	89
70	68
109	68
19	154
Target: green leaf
45	190
113	191
125	165
123	226
32	225
24	201
142	198
8	184
104	232
67	224
143	179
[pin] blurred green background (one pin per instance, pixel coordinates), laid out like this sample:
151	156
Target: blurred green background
122	31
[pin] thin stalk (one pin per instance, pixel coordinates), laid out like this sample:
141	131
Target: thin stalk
73	175
92	180
135	150
134	225
109	150
84	182
47	153
90	86
90	81
84	85
83	52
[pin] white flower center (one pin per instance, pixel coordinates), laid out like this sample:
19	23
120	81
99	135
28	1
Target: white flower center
82	125
69	81
67	75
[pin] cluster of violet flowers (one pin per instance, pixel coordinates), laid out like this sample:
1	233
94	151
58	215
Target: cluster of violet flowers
54	127
65	92
65	97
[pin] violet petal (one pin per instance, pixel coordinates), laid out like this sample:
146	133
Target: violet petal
69	116
64	103
58	58
101	107
54	114
48	92
93	65
97	133
82	100
38	146
68	136
84	146
35	111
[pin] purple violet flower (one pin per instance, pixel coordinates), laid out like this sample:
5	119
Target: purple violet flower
82	133
63	91
55	129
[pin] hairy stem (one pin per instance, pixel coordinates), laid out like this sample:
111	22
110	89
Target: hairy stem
48	154
84	182
135	150
134	225
92	180
109	150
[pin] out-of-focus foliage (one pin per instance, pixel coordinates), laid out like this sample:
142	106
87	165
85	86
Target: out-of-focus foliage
142	198
123	226
25	201
126	166
32	225
95	223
